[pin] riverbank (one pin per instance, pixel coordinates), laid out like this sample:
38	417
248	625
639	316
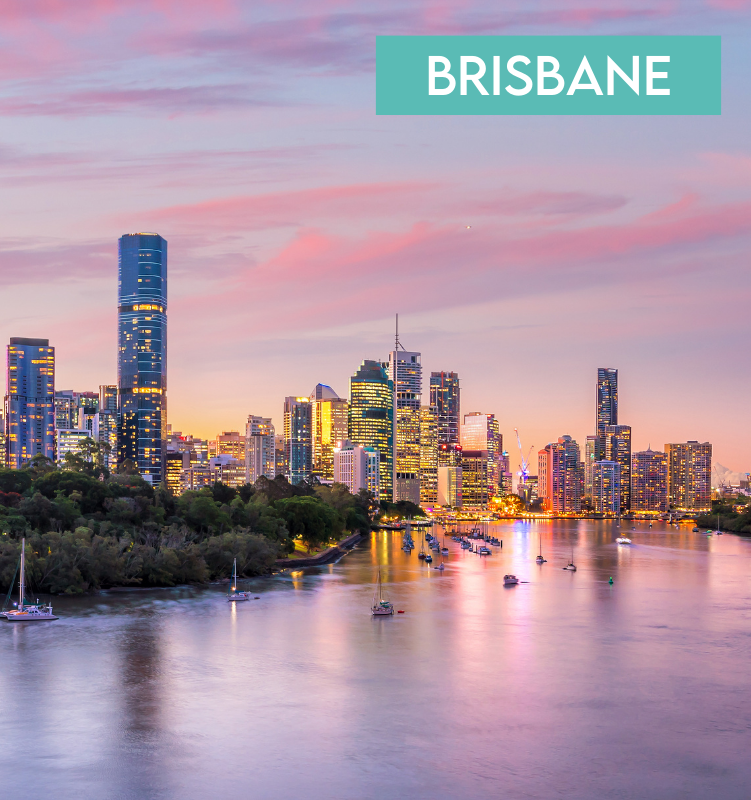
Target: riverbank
326	557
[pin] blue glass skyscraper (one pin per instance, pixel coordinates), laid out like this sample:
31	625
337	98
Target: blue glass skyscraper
30	401
142	354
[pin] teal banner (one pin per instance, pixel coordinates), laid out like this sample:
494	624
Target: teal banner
548	75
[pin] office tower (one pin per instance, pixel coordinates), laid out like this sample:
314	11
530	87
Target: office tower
66	410
481	432
298	442
649	481
108	398
689	476
230	443
445	397
371	418
404	369
590	454
357	467
2	441
29	401
428	456
142	354
506	476
476	488
560	477
450	487
104	433
329	420
173	471
607	398
617	440
260	449
528	490
227	469
71	440
606	487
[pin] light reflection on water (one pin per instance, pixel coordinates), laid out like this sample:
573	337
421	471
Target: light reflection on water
562	686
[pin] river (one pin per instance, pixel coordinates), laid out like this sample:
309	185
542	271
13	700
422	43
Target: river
563	686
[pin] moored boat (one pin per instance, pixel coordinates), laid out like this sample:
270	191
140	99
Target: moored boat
510	580
381	607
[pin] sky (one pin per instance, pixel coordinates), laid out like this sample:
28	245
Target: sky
299	222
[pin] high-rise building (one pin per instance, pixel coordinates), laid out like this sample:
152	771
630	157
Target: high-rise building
445	398
357	467
69	441
450	486
371	418
230	443
649	481
108	398
476	492
298	440
260	449
607	398
606	487
329	421
29	401
617	440
560	476
404	369
142	354
66	410
173	472
590	456
481	432
282	465
506	476
104	428
428	456
2	441
690	476
227	470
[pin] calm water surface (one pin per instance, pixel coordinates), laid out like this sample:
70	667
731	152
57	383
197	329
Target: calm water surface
563	686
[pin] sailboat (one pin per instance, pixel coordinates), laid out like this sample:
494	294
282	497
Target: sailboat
381	607
540	559
571	566
232	593
719	532
27	612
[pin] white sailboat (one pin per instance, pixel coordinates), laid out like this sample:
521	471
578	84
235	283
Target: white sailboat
380	607
571	567
27	612
540	559
232	593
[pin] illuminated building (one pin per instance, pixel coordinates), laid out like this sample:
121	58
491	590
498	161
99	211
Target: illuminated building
405	372
506	477
196	476
227	470
590	453
606	487
260	449
481	432
230	443
617	440
108	398
649	481
450	487
70	441
607	398
173	472
689	476
357	467
329	421
65	410
104	433
445	398
371	418
475	481
298	442
281	455
2	441
560	476
142	354
428	456
29	401
528	490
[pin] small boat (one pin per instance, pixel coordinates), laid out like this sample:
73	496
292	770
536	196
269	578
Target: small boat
484	551
623	540
571	567
718	531
440	567
694	530
510	580
421	554
381	607
428	558
232	594
27	612
540	559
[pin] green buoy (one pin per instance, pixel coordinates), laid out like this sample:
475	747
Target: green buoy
611	580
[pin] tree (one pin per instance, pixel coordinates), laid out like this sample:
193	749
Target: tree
310	520
15	480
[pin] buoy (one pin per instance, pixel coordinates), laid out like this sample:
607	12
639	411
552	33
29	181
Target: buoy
611	581
399	612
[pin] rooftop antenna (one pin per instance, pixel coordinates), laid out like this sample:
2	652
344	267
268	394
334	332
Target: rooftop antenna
397	343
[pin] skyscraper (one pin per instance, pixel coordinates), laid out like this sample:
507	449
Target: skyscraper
428	456
481	432
690	476
445	398
260	449
607	398
606	487
29	401
590	456
405	372
649	481
298	440
371	418
617	440
142	354
329	421
560	477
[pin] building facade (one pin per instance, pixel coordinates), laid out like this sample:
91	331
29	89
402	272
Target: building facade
371	418
71	440
142	354
29	408
560	476
606	488
329	421
476	486
649	482
260	449
617	440
298	440
404	369
690	476
357	467
481	432
445	396
428	457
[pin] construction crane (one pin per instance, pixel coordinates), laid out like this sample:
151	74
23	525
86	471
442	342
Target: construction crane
523	473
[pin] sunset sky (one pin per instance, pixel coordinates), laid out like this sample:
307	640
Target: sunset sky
299	223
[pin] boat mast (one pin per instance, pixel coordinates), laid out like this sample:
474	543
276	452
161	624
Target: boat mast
21	586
